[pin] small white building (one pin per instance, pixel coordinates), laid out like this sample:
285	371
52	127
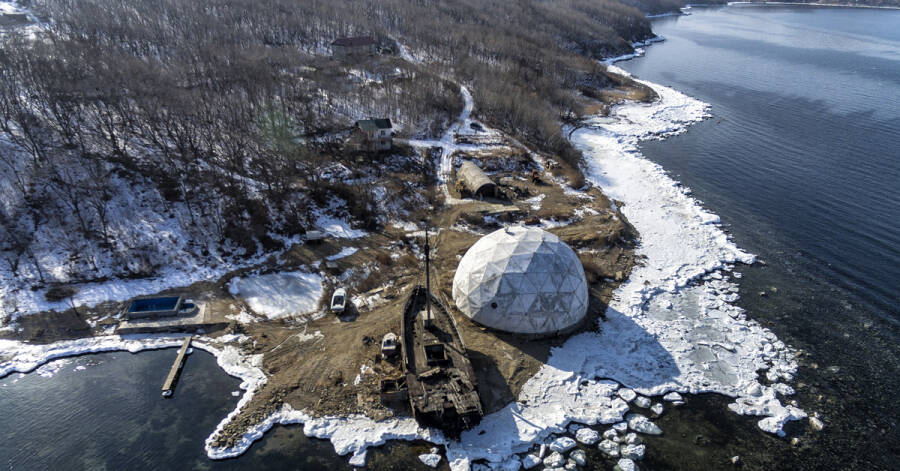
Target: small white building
373	134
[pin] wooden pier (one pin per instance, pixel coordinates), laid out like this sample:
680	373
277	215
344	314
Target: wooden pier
169	385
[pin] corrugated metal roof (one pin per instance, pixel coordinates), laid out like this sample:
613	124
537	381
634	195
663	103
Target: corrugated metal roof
474	178
372	124
356	41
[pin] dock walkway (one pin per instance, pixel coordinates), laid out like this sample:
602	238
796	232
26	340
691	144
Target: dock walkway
169	385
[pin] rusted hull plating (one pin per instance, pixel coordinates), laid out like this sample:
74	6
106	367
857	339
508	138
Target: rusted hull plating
442	386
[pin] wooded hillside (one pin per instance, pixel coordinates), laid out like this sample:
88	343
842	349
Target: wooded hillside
225	113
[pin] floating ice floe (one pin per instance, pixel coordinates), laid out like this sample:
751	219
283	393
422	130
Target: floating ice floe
633	452
24	357
587	436
554	460
609	448
351	435
672	396
562	444
816	424
50	369
641	424
627	394
431	459
626	464
531	460
579	457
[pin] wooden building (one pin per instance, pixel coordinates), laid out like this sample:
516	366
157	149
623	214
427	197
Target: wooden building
356	46
373	134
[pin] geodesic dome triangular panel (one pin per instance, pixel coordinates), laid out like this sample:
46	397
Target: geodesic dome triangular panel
521	280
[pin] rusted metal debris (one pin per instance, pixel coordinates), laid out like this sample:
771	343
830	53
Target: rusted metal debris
441	382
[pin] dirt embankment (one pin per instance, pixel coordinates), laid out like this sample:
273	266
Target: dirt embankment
600	100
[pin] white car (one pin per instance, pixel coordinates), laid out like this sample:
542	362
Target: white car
389	344
339	300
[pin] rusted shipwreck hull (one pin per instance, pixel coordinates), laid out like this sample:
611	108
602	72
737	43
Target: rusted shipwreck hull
439	376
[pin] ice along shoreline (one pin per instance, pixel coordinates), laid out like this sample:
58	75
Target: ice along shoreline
678	307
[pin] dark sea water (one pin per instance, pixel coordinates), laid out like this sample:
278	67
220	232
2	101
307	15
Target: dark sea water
110	416
105	412
802	160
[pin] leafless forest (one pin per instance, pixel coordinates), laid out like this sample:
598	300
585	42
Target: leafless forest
222	115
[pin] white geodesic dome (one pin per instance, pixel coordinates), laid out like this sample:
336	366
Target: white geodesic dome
521	280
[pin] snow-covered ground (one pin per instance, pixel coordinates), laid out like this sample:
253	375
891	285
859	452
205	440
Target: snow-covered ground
461	127
448	144
672	326
155	244
148	235
335	226
9	8
638	51
33	25
14	8
277	295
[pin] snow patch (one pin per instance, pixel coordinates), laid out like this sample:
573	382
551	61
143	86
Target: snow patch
535	201
278	295
335	226
242	317
350	435
667	328
405	225
345	252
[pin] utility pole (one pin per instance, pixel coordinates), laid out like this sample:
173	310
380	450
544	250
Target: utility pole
428	318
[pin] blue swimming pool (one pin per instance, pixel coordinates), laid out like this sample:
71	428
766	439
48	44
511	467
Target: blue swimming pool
154	304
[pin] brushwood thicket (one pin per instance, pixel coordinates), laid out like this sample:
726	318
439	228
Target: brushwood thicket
231	109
